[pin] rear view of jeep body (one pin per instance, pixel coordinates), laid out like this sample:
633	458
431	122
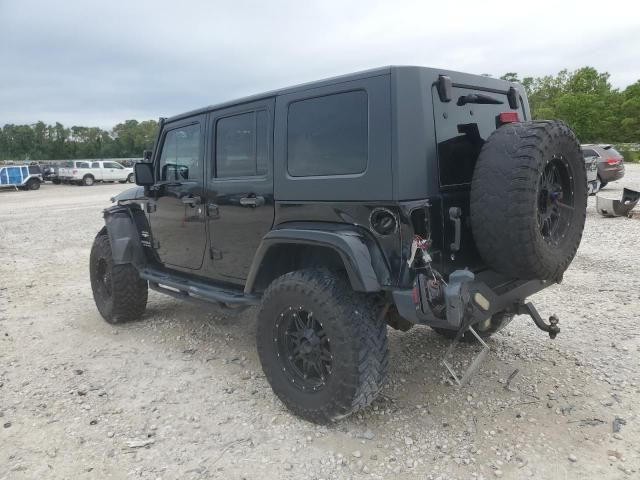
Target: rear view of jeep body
397	196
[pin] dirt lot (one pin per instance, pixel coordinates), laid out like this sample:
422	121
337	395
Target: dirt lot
181	393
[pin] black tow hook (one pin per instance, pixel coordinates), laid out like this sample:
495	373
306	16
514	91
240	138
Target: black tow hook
551	328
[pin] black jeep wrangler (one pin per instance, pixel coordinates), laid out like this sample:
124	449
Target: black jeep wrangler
396	196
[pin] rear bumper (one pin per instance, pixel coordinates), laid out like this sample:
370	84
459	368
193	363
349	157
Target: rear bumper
610	173
481	302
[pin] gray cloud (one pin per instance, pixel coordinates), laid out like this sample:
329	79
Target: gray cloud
98	63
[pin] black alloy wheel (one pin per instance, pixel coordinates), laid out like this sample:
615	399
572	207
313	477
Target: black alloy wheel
304	346
555	200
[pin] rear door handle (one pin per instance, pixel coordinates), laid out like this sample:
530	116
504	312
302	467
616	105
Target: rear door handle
256	201
213	211
454	215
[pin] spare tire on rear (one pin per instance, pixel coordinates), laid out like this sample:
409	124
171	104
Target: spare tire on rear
528	199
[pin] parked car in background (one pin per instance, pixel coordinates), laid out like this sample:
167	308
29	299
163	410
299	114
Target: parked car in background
610	162
48	172
84	172
591	166
26	177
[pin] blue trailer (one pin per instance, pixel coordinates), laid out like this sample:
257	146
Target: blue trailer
25	177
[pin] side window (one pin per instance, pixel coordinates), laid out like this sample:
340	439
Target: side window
82	165
328	135
242	145
180	158
587	152
95	165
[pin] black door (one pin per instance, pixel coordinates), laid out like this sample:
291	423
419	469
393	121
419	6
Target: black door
240	187
178	222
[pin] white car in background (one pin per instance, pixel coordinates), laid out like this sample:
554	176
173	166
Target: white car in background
84	172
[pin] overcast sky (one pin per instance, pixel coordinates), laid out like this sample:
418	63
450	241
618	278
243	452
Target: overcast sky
100	62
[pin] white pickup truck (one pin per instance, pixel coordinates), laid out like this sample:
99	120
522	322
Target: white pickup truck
83	172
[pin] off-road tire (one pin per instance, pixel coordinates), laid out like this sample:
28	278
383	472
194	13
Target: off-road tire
484	329
119	292
88	180
506	192
357	335
33	184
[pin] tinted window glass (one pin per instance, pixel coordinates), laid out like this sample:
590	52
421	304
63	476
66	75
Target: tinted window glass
328	135
461	131
586	152
262	142
34	169
612	152
242	145
82	165
95	165
180	158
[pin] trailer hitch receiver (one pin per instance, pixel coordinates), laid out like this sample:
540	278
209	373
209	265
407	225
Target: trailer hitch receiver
552	327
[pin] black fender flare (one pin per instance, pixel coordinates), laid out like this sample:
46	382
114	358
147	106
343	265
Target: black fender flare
122	224
363	260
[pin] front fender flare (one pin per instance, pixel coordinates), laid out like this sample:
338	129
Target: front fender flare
124	237
363	260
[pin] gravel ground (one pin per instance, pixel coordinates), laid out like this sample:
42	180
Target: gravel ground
181	393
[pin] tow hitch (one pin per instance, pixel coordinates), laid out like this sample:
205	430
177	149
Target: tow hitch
552	327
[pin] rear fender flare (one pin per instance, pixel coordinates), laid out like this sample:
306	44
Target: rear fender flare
361	256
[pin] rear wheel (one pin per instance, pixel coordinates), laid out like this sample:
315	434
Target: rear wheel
119	292
323	347
131	178
602	182
33	184
56	181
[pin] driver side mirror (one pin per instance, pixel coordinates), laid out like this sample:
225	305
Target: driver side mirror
146	155
144	174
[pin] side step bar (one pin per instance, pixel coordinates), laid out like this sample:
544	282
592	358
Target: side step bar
196	291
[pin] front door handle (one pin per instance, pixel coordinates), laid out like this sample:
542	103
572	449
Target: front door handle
192	200
254	201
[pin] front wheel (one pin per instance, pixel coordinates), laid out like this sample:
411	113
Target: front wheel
119	292
323	347
33	184
131	178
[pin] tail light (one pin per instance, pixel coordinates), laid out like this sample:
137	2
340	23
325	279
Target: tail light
614	160
507	117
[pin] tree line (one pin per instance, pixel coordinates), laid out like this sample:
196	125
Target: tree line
54	142
583	98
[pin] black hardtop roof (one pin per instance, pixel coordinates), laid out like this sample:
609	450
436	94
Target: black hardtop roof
459	77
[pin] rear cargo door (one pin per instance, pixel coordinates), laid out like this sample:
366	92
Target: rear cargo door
463	123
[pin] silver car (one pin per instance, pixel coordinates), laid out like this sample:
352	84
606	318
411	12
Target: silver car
610	162
591	165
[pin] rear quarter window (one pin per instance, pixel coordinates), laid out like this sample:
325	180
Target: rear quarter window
328	135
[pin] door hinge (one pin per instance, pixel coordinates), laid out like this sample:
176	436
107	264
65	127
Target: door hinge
156	244
215	254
